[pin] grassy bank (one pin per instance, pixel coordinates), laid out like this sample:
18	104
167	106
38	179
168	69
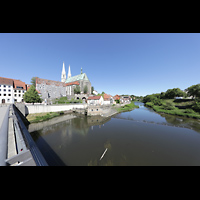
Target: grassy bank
174	107
40	117
127	107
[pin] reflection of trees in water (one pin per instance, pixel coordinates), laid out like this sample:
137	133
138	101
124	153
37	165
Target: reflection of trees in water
182	122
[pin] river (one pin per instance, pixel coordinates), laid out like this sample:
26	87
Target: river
140	137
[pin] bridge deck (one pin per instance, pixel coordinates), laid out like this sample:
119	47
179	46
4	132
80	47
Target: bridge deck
3	110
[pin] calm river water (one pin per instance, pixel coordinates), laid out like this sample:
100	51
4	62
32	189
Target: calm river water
139	137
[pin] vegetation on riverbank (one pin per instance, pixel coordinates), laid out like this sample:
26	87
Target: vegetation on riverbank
40	117
127	107
164	102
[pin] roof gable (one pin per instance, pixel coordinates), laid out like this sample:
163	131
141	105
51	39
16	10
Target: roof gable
94	97
6	81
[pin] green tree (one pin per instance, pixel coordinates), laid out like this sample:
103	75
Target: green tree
175	92
85	89
193	90
33	81
92	89
31	96
77	89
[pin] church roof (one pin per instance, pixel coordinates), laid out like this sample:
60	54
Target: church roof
73	83
77	78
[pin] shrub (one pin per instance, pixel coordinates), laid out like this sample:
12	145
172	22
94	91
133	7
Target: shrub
196	106
168	106
150	104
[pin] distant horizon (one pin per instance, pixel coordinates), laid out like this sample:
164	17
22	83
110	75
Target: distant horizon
117	63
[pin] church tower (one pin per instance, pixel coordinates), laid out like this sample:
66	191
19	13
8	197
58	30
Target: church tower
63	75
69	73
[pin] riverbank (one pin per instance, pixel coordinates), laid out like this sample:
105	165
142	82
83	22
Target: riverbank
179	108
127	107
40	117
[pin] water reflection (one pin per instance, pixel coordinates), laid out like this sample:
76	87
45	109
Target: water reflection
148	115
139	137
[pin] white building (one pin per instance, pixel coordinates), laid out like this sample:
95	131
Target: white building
95	100
95	92
108	99
6	90
11	90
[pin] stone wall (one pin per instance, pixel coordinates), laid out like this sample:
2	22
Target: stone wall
51	91
54	108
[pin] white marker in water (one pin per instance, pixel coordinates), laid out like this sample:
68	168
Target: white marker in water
103	154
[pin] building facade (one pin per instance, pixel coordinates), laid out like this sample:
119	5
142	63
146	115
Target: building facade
95	100
50	89
11	90
80	80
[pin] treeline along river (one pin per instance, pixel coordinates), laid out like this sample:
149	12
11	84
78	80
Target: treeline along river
138	137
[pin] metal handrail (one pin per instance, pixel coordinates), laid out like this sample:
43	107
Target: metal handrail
36	154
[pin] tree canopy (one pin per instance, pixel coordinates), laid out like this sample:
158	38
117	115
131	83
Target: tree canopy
33	81
31	96
194	90
175	92
77	89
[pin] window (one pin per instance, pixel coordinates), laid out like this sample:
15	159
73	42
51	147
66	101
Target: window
19	95
4	95
8	100
0	90
4	86
19	91
4	90
9	94
15	95
9	90
9	86
15	90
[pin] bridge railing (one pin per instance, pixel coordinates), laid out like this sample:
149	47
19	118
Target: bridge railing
28	153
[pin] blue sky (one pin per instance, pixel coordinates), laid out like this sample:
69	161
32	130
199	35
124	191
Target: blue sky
116	63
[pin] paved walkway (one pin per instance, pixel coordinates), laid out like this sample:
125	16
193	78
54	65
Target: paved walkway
3	110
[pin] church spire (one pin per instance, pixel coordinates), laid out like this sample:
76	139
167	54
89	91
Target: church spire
69	73
63	75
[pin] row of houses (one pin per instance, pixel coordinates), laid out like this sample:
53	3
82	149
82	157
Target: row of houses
12	90
107	99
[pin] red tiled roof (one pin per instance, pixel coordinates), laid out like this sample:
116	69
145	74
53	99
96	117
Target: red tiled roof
94	98
107	97
18	83
73	83
49	82
14	82
116	97
6	81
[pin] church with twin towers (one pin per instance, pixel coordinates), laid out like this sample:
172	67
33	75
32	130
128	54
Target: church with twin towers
72	82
